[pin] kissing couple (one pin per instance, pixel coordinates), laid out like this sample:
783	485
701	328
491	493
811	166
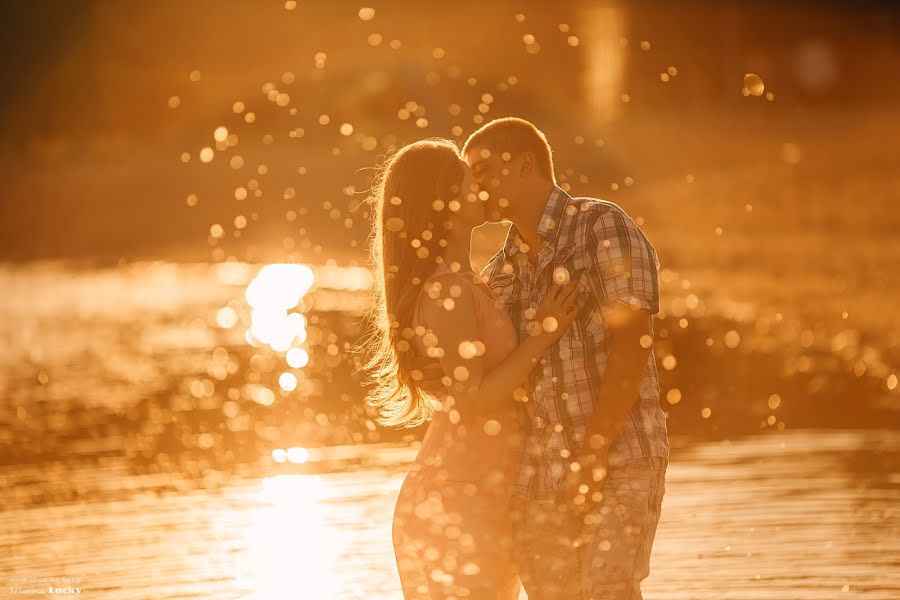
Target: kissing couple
544	461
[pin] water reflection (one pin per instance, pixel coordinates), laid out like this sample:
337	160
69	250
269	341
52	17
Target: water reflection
275	290
761	517
294	454
289	547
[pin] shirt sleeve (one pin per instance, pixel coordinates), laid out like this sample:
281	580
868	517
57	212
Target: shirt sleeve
623	266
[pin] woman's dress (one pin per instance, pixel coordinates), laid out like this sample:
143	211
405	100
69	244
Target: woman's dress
451	531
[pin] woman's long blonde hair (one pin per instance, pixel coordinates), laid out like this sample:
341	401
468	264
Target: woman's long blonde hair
410	198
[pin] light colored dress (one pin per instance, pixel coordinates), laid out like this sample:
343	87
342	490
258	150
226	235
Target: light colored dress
452	533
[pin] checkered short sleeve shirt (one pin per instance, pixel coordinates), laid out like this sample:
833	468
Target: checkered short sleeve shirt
596	244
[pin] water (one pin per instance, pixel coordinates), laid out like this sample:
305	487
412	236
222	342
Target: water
800	515
145	444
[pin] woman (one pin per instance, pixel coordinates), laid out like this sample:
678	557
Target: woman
451	531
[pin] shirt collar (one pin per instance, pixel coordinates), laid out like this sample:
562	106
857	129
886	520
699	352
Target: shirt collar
548	226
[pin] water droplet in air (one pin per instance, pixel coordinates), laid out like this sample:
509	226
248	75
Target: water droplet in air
561	275
753	85
467	350
550	324
732	339
461	373
492	427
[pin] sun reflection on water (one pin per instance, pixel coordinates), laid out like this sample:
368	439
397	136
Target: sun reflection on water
289	547
275	290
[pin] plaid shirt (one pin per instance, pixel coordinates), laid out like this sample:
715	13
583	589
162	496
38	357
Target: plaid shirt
595	243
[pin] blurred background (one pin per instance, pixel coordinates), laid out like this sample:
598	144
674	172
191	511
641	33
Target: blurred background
183	237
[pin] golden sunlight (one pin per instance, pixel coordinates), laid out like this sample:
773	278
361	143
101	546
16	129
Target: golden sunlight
288	546
276	289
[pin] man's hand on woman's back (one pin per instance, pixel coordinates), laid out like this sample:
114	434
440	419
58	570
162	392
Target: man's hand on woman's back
432	380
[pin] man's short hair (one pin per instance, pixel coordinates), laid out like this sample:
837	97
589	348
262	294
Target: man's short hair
514	135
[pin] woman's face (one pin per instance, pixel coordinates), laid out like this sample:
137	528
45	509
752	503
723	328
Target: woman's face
468	208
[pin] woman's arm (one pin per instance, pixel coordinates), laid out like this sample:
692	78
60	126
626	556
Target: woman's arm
455	326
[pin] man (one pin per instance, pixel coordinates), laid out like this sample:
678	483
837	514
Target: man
590	476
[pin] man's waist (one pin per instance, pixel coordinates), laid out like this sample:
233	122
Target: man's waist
542	411
553	438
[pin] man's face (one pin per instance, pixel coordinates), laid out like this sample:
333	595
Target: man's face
469	207
495	175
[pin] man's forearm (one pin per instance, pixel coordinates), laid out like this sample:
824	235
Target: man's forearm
620	388
617	395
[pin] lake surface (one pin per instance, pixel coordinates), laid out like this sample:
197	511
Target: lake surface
800	515
161	436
